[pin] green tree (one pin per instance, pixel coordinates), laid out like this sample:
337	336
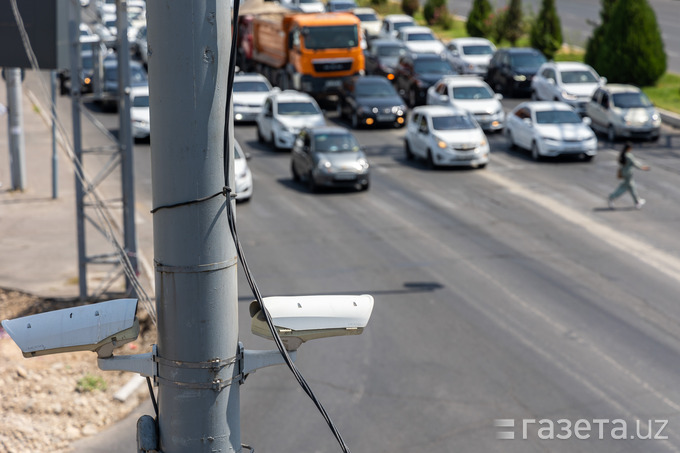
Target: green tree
632	50
478	19
410	7
437	12
546	32
595	41
513	22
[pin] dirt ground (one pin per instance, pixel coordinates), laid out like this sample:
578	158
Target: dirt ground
48	402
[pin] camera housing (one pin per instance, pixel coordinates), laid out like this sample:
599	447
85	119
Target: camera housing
99	327
302	318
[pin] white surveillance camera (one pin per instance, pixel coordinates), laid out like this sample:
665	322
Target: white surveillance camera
97	327
302	318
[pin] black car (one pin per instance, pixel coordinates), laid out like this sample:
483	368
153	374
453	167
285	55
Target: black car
382	56
511	69
329	156
417	72
371	100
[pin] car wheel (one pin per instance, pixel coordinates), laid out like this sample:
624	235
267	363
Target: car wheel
511	139
611	134
355	121
409	152
311	183
260	137
587	158
366	186
293	170
535	154
412	97
430	160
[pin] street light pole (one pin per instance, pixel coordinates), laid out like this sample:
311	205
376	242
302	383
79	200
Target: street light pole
195	256
15	124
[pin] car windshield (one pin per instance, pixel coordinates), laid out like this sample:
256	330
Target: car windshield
419	37
140	101
87	62
433	67
631	100
557	117
453	123
527	60
375	89
472	93
367	17
341	6
250	86
582	76
297	108
336	143
399	25
331	37
391	51
478	49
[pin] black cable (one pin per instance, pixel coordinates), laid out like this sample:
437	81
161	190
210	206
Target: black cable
232	227
153	397
185	203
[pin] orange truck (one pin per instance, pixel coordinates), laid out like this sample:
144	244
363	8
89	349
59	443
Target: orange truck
310	52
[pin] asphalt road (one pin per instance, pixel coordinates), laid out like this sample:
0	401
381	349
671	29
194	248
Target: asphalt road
577	16
505	293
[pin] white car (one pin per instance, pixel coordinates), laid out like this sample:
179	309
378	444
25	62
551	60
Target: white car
392	23
549	128
306	6
470	55
249	94
420	39
623	111
472	94
139	112
242	174
284	114
445	136
567	81
370	22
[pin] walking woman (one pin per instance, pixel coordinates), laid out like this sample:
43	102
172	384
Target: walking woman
627	162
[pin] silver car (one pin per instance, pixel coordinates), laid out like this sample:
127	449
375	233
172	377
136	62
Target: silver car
329	156
623	111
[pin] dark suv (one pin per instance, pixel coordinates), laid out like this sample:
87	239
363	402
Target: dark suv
416	72
511	69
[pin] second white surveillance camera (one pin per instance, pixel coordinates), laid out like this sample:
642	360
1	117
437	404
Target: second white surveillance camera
302	318
97	327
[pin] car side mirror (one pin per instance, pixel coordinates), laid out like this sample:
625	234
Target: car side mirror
498	96
587	121
443	98
551	81
527	121
247	155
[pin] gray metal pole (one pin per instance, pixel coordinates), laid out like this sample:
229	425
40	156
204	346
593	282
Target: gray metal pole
55	162
74	39
17	152
195	257
125	141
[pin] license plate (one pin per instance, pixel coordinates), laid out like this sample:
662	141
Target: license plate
385	117
332	83
345	176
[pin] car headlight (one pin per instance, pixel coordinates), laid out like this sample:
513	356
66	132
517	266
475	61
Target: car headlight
441	143
568	96
324	165
361	110
399	109
519	77
362	164
551	141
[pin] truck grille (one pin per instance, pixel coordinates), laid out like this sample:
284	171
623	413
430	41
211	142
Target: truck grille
332	65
